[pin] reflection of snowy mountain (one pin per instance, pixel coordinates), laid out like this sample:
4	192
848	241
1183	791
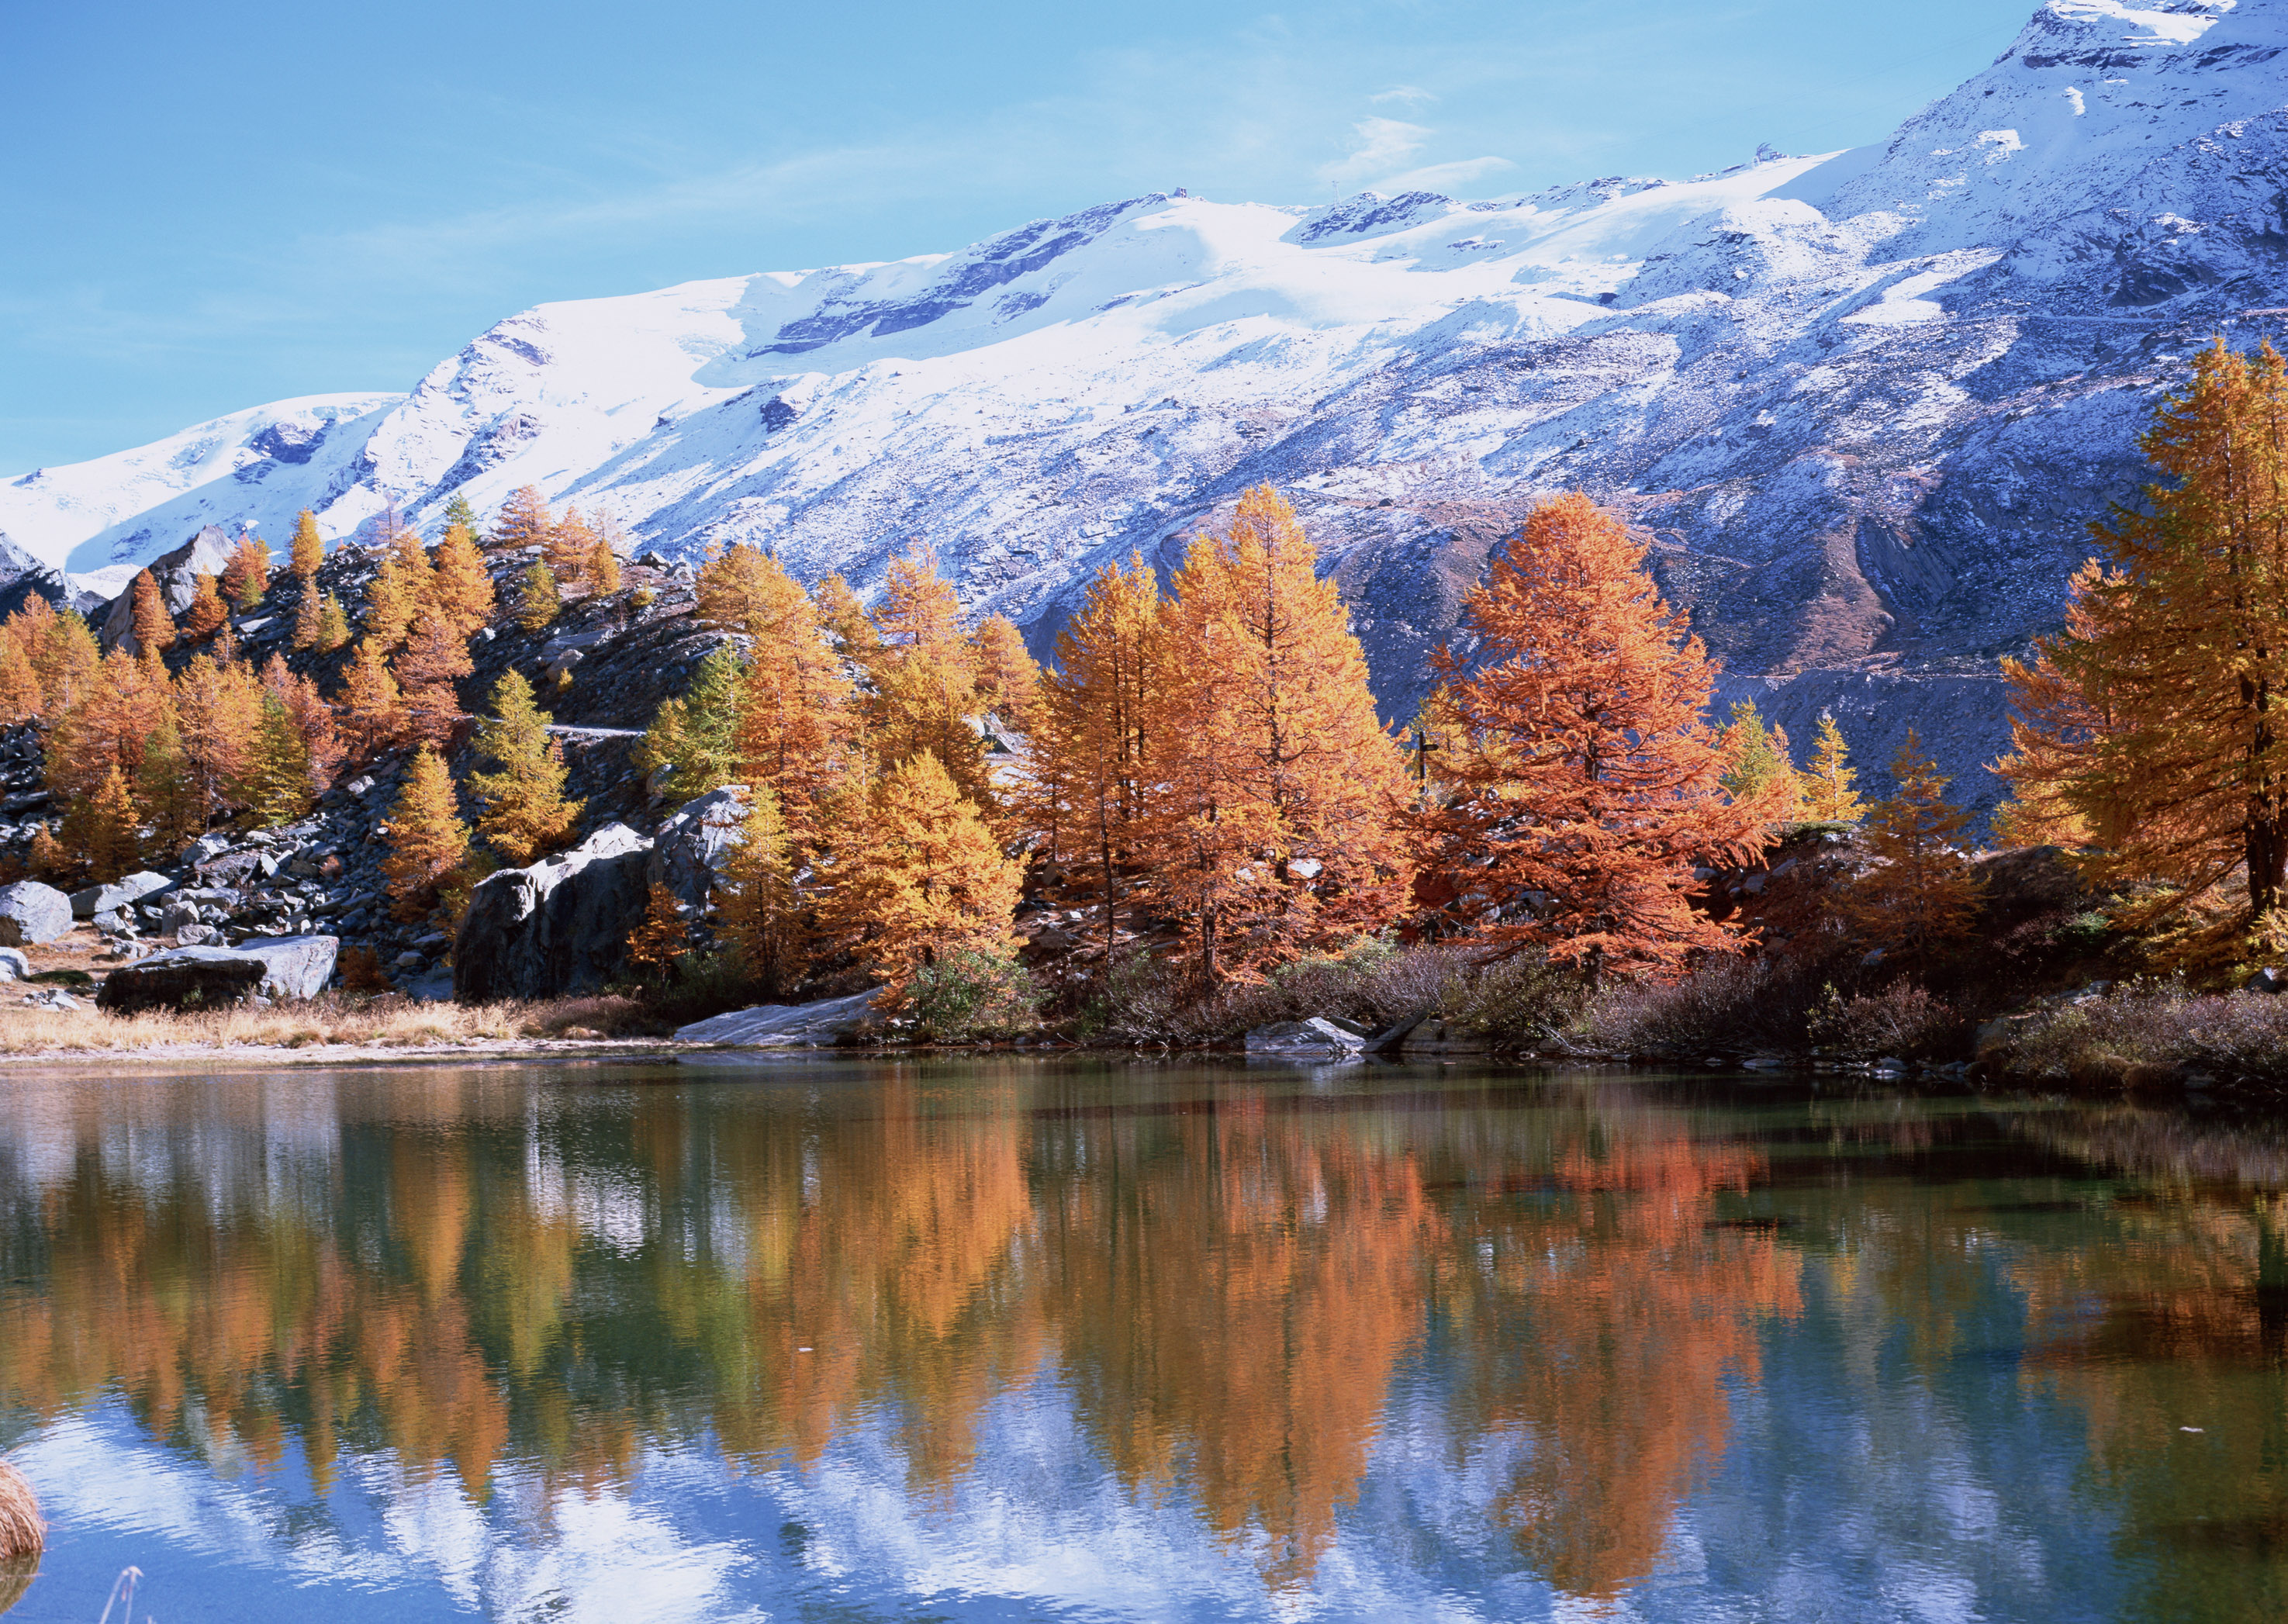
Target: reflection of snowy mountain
1868	402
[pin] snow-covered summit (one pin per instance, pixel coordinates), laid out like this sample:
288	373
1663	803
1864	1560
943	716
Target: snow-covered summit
1865	402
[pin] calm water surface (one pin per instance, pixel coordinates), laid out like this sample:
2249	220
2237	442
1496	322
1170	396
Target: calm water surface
1005	1338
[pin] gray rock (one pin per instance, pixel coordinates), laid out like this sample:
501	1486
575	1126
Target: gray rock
1390	1040
191	935
14	966
205	849
2268	980
1317	1036
176	574
122	893
560	926
689	852
272	969
31	913
176	914
819	1025
51	998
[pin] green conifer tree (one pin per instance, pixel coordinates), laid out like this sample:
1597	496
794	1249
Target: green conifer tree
277	788
526	815
695	736
539	602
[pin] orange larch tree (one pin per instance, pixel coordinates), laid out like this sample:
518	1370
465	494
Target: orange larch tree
918	874
155	627
1272	835
427	840
246	576
523	520
460	588
1921	894
796	719
570	549
1087	798
206	615
372	704
309	549
1583	784
434	661
1008	681
924	673
311	717
219	708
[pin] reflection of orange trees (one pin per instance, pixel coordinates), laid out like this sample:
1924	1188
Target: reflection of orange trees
1233	1311
890	1260
1601	1327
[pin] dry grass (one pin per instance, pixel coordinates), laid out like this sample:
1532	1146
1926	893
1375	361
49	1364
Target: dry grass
23	1533
388	1022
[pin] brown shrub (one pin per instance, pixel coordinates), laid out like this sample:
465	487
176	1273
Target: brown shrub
1903	1019
22	1532
2149	1031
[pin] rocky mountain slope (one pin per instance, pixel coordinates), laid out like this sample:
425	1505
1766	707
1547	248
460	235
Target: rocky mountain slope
1865	404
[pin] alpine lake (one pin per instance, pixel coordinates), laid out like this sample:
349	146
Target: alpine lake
1005	1338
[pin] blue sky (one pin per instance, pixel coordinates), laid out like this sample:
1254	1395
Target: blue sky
211	206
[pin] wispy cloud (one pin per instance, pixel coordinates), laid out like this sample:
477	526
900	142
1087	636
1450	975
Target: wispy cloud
1382	145
1447	177
1403	95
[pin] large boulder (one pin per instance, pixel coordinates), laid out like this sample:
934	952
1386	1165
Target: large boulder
31	913
821	1024
119	894
277	967
1317	1038
688	853
560	926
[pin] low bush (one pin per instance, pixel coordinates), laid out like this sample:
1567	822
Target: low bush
969	995
2236	1036
1901	1020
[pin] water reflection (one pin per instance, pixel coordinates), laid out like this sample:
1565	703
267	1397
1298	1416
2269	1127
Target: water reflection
1149	1341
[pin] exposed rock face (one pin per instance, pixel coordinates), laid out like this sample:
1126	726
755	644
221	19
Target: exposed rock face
560	926
692	846
31	913
279	968
821	1024
176	574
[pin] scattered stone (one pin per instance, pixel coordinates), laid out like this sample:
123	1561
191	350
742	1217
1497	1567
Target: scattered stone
207	978
14	966
822	1024
121	894
193	935
410	960
31	913
51	998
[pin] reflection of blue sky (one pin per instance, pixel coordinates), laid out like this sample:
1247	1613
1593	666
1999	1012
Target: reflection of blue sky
1935	1496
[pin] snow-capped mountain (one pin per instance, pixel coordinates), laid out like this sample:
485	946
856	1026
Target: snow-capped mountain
1865	402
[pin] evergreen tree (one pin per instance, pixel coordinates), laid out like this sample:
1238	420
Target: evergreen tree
1275	783
276	789
428	670
333	625
206	615
916	874
1827	792
462	588
309	549
526	815
246	576
539	602
1583	779
760	911
1760	772
155	627
373	706
693	738
427	840
660	943
460	516
1921	894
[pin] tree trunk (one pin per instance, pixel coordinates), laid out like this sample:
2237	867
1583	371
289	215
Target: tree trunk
2267	857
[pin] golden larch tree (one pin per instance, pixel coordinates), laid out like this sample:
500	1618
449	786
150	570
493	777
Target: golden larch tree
246	575
846	618
460	586
660	941
571	544
924	673
1921	893
277	786
333	625
101	830
428	668
2156	718
603	567
219	708
309	548
206	615
1090	782
427	840
1761	768
796	721
312	717
525	815
1583	785
539	602
916	874
372	704
1827	797
1272	833
391	604
309	618
1008	680
760	911
20	698
523	520
155	627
